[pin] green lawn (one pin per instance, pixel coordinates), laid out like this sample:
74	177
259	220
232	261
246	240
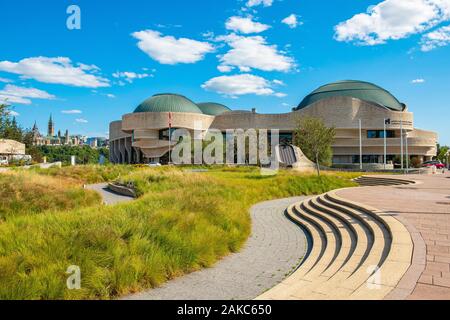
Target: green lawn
182	221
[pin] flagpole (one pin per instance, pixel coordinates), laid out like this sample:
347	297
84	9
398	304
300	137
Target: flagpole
385	145
360	146
407	153
170	138
401	144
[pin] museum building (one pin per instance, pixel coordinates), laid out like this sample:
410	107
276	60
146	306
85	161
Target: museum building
360	112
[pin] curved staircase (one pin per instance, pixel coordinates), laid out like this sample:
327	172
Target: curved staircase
356	252
372	181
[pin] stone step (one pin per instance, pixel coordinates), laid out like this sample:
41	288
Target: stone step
356	252
342	256
381	181
398	255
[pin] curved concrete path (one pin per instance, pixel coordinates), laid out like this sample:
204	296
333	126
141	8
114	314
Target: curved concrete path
109	197
275	249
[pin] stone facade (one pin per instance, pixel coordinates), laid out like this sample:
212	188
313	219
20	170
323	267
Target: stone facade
137	137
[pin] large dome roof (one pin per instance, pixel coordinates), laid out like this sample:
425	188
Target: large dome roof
356	89
168	102
212	108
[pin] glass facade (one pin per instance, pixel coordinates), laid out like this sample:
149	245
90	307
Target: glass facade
377	134
164	134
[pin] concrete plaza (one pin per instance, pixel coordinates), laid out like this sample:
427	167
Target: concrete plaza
425	206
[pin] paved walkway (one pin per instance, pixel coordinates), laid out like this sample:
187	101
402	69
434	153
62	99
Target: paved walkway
274	250
109	197
427	207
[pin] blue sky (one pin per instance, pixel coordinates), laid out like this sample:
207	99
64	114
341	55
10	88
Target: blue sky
239	53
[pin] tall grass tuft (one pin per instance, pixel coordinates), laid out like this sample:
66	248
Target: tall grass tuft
29	193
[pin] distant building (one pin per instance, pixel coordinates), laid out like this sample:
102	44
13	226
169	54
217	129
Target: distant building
97	142
51	128
92	142
54	140
11	150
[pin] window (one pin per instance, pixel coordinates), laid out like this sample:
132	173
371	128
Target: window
164	134
368	159
379	134
284	137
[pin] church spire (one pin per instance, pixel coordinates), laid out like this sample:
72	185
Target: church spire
51	127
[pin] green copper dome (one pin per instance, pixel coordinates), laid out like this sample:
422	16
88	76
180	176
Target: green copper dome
168	102
212	108
356	89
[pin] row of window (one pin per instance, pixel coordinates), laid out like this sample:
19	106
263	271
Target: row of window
373	158
284	137
288	137
377	134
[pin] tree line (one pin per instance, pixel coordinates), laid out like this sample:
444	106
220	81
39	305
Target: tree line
10	129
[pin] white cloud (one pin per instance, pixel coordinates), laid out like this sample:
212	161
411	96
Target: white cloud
75	111
169	50
254	3
241	85
393	20
55	70
254	53
13	113
435	39
224	69
81	120
22	95
130	76
278	82
416	81
291	21
111	96
87	67
245	25
4	80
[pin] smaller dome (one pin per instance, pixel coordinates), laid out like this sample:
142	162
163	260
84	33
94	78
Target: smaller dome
168	102
212	108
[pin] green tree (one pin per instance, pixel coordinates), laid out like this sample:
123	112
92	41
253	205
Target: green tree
315	139
442	153
9	129
83	154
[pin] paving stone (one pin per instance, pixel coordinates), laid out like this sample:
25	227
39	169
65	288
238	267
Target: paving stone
439	258
430	292
438	266
443	282
425	279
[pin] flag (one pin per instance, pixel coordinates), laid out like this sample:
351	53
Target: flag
170	120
